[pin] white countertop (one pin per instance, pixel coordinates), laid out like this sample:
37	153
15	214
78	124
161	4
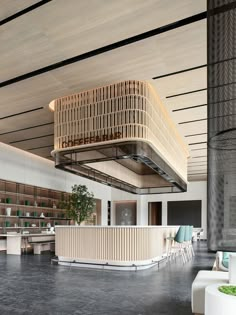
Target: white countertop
27	234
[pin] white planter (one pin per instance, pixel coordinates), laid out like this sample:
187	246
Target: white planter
8	211
218	303
232	269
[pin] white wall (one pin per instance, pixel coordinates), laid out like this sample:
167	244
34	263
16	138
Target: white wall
196	191
23	167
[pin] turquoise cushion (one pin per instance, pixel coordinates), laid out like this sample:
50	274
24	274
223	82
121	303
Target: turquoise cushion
225	259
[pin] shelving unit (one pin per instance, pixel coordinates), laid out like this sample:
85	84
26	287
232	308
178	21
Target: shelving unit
29	207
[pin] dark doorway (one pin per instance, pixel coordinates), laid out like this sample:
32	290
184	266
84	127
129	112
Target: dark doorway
154	213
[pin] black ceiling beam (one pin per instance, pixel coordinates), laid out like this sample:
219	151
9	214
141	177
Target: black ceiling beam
198	149
196	134
185	93
197	165
190	107
200	156
23	129
21	113
222	8
12	142
178	72
191	121
107	48
197	143
195	174
45	146
24	11
202	119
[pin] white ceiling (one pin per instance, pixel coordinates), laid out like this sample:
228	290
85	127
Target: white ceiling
60	29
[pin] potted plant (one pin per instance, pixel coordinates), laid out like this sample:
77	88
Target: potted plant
228	289
80	204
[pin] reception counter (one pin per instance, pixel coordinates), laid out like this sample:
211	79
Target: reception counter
112	247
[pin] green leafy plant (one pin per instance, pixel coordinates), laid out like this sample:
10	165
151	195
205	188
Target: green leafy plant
80	204
228	289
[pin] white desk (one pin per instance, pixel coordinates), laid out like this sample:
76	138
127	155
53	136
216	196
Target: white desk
14	241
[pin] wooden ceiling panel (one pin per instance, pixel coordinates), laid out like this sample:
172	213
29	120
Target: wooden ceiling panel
25	120
10	7
184	116
59	31
197	177
27	133
201	138
140	60
31	93
196	154
26	144
182	82
187	100
43	152
191	128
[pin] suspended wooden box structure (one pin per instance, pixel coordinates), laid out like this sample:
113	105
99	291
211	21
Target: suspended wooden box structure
120	135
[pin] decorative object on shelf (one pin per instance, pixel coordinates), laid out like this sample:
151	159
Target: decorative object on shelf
79	205
54	205
48	225
43	204
27	224
20	203
43	224
8	200
33	225
8	211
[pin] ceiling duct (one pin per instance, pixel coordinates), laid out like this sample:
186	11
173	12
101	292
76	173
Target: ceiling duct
120	135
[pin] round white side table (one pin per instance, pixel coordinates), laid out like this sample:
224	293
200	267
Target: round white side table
218	303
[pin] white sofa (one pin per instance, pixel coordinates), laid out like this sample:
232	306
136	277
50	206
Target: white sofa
202	280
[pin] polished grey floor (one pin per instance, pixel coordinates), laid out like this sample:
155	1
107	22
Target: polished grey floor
31	285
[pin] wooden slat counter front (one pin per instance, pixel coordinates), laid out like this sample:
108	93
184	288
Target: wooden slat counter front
121	246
